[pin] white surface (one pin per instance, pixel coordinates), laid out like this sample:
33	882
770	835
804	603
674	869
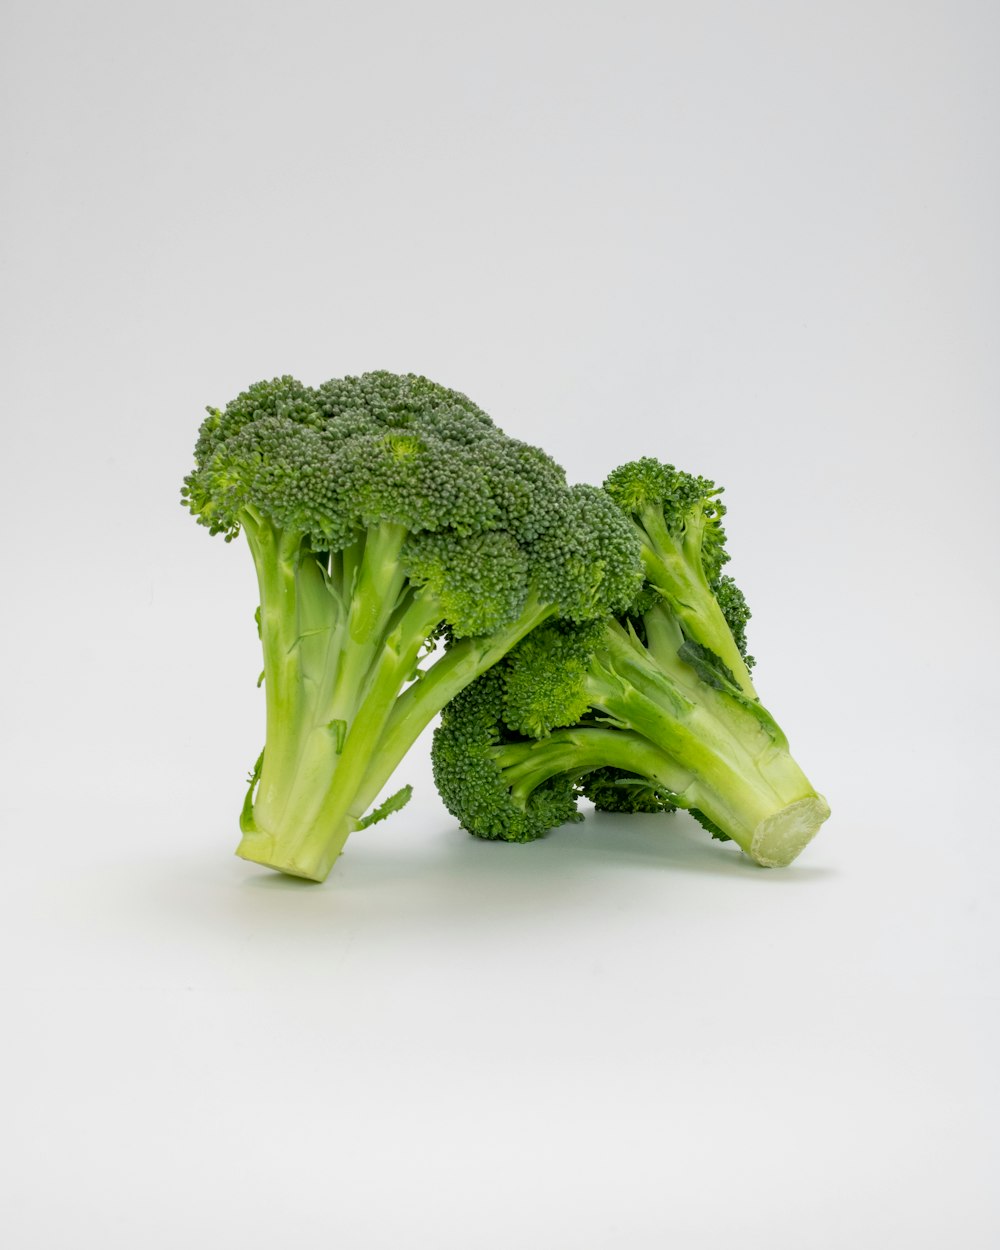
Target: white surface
756	240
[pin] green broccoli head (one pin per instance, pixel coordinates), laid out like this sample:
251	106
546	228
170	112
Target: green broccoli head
468	771
490	519
330	462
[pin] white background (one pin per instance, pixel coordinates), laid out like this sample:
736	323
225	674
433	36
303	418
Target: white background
756	239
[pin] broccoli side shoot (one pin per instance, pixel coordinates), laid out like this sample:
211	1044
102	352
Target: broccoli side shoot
648	710
383	512
677	517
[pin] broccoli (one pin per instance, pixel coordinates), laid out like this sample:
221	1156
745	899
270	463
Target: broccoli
384	513
645	710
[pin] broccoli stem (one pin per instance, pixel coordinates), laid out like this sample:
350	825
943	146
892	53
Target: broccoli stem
275	558
417	706
575	752
740	775
340	646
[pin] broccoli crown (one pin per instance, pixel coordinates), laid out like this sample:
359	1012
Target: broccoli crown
687	502
488	517
358	451
467	771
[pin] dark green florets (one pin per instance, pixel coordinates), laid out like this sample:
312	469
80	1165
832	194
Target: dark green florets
648	483
481	582
613	790
686	501
239	444
545	679
285	475
587	557
354	452
386	448
281	397
386	401
467	747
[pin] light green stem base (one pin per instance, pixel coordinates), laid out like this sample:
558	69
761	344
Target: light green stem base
778	839
296	861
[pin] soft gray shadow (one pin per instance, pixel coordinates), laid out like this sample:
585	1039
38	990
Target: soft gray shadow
453	874
666	842
446	881
268	880
676	841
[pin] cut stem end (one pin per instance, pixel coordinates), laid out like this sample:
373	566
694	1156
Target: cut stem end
262	848
778	839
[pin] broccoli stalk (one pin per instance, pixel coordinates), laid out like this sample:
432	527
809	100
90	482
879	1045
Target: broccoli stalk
382	512
657	707
337	666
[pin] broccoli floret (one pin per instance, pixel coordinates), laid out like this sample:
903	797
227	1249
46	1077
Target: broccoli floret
615	790
384	512
469	753
648	710
677	517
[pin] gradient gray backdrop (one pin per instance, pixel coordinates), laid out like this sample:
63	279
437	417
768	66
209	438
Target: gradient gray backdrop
756	239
